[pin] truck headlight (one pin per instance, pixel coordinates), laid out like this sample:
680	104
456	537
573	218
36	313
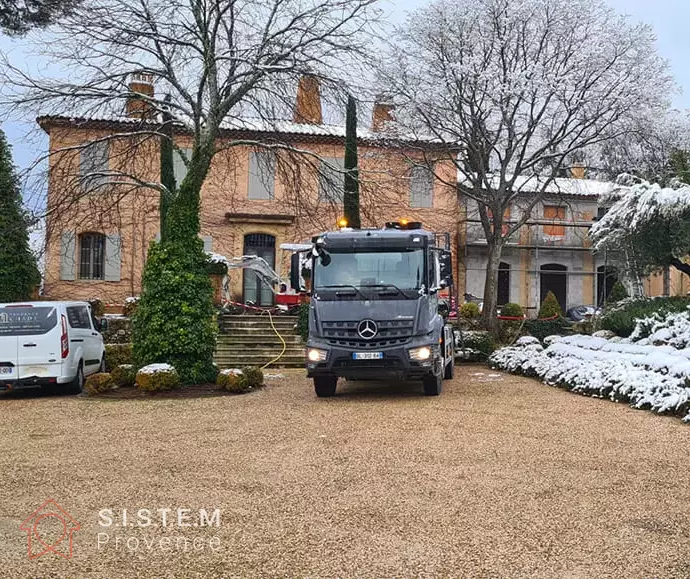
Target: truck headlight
316	355
420	354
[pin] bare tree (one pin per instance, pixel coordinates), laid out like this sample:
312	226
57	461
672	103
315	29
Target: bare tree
213	62
522	86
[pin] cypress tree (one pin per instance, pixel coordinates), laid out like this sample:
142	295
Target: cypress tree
351	197
19	274
167	169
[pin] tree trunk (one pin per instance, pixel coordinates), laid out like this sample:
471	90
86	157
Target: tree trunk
491	286
167	172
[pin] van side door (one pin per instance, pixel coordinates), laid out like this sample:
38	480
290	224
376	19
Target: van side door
81	338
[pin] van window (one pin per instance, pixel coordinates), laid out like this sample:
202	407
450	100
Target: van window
27	321
78	317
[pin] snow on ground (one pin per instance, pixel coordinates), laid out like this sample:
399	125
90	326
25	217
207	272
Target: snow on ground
646	376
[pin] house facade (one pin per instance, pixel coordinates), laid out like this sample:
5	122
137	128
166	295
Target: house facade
552	250
283	184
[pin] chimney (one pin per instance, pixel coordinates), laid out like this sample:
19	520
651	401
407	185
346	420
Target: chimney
577	171
308	103
137	107
383	113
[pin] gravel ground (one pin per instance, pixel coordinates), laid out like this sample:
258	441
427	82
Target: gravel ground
500	476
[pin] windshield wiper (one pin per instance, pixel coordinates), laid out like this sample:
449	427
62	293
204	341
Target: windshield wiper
391	285
343	286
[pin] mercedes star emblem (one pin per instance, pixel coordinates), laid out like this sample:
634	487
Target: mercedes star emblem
367	329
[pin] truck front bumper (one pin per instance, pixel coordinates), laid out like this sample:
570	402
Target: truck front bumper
395	364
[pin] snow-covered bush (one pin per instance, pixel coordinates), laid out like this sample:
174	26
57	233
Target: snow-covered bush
474	346
652	377
157	377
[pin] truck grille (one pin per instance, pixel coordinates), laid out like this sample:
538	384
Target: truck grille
391	333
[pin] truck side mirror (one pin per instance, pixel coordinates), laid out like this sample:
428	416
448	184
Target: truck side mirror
446	262
295	272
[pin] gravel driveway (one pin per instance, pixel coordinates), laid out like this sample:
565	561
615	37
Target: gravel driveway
500	476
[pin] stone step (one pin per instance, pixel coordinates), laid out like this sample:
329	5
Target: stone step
289	328
286	361
265	352
240	340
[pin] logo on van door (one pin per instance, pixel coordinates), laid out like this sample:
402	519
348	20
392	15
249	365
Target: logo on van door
49	529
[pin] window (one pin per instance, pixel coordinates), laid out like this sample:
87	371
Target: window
503	283
556	213
93	165
332	180
78	317
91	256
421	186
179	165
262	174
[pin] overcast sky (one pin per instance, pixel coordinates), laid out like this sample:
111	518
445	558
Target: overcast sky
669	18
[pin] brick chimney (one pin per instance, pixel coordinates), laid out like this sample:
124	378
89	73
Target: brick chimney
308	103
577	171
137	107
383	113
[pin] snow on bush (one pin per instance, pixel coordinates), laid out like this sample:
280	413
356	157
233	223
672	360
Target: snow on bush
673	330
646	376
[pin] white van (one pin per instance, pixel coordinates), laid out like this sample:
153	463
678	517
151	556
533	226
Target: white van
49	344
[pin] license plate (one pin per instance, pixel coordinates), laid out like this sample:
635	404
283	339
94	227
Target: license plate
367	355
5	370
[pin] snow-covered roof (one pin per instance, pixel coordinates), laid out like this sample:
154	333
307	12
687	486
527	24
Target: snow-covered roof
558	186
252	125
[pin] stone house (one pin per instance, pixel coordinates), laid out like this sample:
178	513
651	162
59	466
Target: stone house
101	217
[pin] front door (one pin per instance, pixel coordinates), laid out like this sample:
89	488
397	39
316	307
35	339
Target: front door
554	278
254	290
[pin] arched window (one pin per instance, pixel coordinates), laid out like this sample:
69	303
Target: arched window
503	283
91	256
554	278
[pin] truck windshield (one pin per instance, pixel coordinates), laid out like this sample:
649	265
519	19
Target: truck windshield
401	270
26	321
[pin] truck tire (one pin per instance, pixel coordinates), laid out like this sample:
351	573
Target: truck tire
432	384
324	386
449	370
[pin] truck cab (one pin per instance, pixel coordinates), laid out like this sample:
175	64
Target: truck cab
375	312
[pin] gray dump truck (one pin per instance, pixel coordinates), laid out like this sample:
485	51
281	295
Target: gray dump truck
375	310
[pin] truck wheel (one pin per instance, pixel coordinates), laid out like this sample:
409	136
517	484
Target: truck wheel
449	370
433	385
324	386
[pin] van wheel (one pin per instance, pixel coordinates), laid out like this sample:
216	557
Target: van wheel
77	385
324	386
449	370
432	384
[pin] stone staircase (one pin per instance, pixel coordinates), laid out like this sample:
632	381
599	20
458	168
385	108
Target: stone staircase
250	340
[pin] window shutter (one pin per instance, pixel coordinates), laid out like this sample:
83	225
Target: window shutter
208	242
262	175
332	180
179	167
112	258
68	242
93	164
421	187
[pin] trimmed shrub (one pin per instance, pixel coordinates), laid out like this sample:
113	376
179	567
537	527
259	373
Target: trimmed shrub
124	375
98	383
618	293
231	382
540	329
253	376
117	355
303	321
512	310
174	321
130	306
469	311
97	307
622	318
550	307
474	345
157	377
